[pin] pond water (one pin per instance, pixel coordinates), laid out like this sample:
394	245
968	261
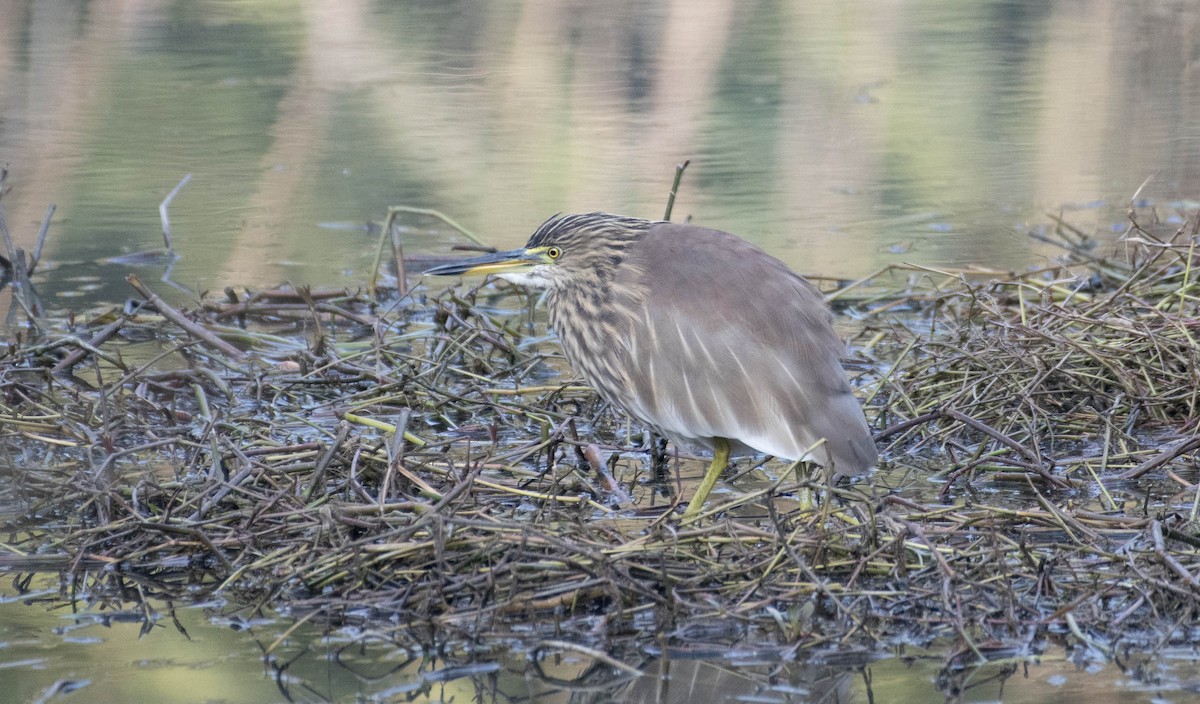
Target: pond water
840	136
210	652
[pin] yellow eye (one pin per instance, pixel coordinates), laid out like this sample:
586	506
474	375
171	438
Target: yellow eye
554	252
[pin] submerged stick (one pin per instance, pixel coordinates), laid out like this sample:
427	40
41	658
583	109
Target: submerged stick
182	321
1183	446
1027	452
590	652
91	346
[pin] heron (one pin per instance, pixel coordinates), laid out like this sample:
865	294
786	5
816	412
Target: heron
697	333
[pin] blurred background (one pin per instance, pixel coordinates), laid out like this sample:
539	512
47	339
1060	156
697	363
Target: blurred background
841	136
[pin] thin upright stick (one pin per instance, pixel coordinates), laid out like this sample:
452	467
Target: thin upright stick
679	168
162	213
41	237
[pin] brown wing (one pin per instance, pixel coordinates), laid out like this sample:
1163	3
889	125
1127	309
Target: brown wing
744	349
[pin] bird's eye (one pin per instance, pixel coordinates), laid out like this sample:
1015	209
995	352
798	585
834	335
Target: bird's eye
554	252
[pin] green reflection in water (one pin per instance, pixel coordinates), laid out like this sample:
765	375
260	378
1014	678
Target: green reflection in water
107	656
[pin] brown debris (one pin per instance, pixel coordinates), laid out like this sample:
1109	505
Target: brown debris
354	465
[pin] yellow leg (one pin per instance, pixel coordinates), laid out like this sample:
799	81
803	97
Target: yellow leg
719	462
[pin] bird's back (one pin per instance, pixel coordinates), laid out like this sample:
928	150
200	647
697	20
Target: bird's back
723	340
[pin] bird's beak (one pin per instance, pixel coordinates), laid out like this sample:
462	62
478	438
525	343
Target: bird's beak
499	263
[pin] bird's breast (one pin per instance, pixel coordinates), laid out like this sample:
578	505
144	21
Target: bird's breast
594	339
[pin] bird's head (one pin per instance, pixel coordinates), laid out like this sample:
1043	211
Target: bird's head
567	250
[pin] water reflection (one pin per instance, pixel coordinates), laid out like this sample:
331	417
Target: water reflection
156	651
840	136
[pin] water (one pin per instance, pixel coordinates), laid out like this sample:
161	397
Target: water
841	136
52	653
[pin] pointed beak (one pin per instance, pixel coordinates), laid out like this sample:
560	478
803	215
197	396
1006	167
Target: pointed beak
498	263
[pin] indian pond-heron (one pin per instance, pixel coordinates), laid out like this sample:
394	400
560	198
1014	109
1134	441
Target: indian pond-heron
699	334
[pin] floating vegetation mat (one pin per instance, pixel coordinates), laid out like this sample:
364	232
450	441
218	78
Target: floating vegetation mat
425	464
